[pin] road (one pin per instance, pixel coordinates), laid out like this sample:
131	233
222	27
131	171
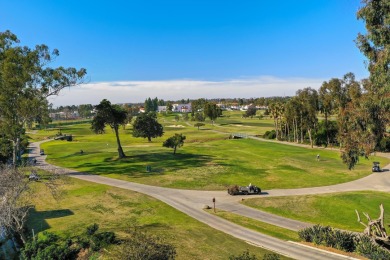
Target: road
192	202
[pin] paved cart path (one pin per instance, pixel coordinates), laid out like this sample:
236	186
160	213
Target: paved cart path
192	202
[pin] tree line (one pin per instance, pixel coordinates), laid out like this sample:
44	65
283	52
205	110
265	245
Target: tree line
360	108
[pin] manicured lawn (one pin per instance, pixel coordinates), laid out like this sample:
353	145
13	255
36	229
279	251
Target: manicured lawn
208	160
114	209
256	225
336	210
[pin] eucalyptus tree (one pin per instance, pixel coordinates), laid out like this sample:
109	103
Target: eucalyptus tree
369	116
308	99
326	102
292	115
112	115
26	81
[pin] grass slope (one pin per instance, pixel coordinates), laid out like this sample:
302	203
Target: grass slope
114	209
207	161
336	210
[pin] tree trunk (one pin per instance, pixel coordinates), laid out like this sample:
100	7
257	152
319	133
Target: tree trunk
174	150
288	132
311	140
16	151
149	139
120	150
294	132
326	129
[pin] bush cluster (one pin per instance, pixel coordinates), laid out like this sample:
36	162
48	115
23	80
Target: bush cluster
51	246
270	134
343	240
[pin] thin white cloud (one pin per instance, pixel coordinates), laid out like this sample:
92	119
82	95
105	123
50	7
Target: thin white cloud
138	91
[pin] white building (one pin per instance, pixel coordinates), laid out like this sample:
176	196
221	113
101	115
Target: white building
183	108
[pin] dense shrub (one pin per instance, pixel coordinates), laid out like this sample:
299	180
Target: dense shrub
270	135
384	144
51	246
343	240
367	248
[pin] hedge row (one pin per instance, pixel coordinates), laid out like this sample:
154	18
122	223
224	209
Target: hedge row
343	240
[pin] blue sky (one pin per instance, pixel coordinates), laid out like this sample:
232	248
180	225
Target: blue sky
191	49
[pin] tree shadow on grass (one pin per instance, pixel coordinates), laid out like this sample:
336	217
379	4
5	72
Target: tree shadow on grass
37	219
161	162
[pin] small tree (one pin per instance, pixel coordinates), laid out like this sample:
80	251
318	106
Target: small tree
112	115
169	107
146	126
174	141
211	111
198	125
251	112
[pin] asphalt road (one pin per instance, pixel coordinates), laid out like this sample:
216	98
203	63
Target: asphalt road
192	202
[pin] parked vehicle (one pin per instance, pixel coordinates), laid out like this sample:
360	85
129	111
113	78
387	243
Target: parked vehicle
375	167
244	190
42	152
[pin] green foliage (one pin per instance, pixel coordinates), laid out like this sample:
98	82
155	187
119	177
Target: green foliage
270	134
169	107
251	111
151	105
199	117
174	142
326	132
384	145
211	111
199	125
329	237
147	126
26	81
51	246
141	246
5	149
366	248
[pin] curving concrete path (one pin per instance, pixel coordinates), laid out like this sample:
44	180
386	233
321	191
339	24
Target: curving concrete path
191	202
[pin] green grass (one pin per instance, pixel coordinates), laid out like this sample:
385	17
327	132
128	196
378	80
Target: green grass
208	160
256	225
336	210
115	209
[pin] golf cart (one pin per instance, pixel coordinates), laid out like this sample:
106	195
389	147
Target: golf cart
244	190
375	167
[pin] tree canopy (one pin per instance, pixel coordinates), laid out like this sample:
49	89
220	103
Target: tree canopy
26	81
147	126
174	142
